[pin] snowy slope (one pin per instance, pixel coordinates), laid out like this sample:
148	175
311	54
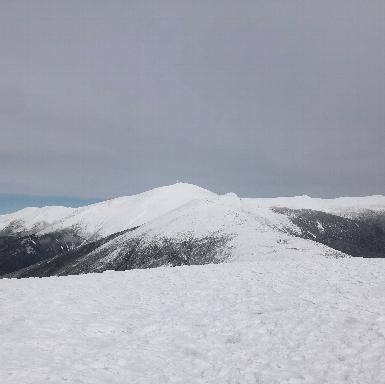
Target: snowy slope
126	212
34	219
343	206
110	216
276	320
253	232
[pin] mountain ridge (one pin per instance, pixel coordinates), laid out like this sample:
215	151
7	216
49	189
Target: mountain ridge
185	224
43	217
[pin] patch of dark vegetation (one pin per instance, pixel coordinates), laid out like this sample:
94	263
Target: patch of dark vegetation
159	251
374	218
62	261
135	252
18	251
363	236
14	228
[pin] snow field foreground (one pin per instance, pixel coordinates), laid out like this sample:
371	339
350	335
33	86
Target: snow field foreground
275	320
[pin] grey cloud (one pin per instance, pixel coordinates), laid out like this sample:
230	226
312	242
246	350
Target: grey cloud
258	97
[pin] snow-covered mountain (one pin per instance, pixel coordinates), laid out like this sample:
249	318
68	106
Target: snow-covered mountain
186	224
111	216
105	218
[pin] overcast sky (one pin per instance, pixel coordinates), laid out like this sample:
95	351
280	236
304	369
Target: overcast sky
262	98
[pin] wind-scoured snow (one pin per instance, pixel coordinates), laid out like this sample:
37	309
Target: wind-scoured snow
276	320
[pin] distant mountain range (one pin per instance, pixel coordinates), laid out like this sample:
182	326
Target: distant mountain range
184	224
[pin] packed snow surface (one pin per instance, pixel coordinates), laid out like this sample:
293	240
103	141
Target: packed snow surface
276	320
